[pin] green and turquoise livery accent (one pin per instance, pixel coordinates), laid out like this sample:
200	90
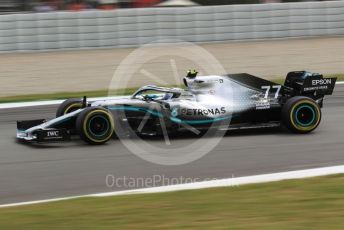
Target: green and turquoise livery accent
136	109
173	115
198	122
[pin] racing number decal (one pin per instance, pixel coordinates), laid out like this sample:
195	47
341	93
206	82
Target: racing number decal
278	87
267	90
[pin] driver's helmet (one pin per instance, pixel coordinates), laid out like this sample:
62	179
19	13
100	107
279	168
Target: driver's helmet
191	73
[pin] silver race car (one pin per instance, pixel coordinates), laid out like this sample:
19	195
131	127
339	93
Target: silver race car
207	102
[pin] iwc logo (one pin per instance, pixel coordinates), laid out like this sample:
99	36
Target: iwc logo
53	134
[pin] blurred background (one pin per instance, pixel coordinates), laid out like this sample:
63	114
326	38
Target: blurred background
13	6
78	44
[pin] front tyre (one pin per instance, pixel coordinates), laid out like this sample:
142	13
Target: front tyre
69	106
301	114
95	125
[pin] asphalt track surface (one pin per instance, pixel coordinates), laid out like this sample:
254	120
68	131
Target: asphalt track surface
57	170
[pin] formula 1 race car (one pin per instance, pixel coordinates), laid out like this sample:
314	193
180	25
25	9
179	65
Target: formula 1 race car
232	101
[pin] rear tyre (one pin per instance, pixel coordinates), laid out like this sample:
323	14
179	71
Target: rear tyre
69	106
95	125
301	114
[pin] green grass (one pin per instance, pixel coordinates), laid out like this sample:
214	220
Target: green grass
99	93
316	203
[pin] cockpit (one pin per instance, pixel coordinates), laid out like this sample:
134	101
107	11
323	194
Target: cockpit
197	89
155	93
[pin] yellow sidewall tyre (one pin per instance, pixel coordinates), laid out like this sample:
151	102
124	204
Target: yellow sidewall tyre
95	125
301	114
68	106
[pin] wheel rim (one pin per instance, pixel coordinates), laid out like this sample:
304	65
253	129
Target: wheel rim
98	126
305	115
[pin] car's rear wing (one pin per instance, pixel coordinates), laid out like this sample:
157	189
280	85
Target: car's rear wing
320	85
307	83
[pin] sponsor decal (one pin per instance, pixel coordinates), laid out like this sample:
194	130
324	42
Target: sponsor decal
262	105
326	81
174	112
53	134
324	87
203	112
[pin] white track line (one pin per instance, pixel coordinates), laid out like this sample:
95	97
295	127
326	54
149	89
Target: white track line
57	102
54	102
206	184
